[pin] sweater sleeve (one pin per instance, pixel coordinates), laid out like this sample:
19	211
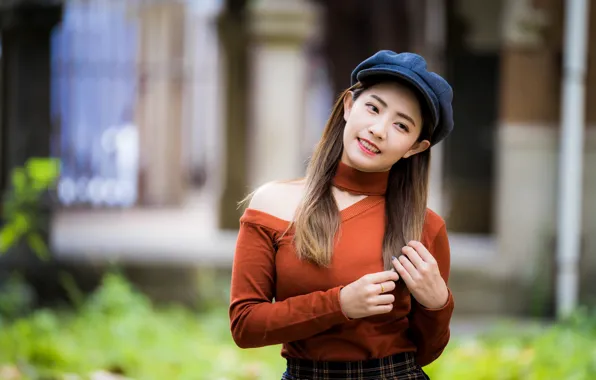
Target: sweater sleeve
430	327
255	320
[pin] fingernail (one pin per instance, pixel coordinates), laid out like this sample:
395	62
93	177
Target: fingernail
393	258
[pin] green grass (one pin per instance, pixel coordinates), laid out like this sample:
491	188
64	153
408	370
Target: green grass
119	330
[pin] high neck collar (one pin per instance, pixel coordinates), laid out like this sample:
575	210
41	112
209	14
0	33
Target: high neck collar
358	182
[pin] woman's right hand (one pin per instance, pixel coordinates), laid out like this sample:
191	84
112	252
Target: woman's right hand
365	296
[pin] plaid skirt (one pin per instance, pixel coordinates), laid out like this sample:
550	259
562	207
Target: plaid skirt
396	367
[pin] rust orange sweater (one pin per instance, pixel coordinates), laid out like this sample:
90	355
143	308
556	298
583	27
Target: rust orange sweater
278	299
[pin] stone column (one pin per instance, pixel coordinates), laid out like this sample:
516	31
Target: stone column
527	146
159	112
232	31
433	48
588	259
279	31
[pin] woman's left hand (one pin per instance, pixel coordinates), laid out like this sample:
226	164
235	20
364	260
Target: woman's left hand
419	270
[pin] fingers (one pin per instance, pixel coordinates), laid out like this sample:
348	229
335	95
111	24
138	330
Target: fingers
422	251
407	264
413	256
403	272
381	309
385	287
379	277
383	299
380	288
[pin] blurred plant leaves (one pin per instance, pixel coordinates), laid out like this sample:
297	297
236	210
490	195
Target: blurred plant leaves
23	213
38	245
42	171
118	330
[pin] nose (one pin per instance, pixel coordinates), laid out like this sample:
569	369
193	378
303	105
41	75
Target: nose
378	130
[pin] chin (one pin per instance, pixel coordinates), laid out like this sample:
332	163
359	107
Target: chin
364	164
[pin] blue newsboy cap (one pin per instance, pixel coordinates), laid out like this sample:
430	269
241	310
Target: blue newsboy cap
412	68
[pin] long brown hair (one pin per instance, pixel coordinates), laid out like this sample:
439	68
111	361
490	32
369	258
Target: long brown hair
317	219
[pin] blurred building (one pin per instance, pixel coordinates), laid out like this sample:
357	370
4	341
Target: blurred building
166	113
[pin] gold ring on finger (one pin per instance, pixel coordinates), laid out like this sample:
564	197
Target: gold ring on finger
382	289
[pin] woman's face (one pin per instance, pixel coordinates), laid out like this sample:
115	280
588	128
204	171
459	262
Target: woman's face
382	126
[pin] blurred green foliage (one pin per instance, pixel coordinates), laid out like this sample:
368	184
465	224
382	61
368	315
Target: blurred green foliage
118	330
23	208
17	297
565	350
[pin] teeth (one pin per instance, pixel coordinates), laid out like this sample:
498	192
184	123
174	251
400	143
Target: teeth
369	147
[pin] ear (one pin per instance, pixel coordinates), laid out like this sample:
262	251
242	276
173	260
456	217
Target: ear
418	147
348	103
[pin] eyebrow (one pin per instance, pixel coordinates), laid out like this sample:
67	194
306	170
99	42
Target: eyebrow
405	116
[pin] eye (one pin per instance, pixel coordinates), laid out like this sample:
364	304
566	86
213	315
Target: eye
372	107
402	127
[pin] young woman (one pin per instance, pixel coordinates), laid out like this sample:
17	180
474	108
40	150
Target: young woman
356	263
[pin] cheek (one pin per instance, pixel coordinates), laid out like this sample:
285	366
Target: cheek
346	132
394	154
398	147
351	128
345	136
348	135
357	121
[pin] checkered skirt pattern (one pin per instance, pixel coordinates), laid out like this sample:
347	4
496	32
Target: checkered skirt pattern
396	367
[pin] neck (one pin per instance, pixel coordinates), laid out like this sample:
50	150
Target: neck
356	181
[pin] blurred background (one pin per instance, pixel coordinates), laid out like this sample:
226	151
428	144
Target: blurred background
130	130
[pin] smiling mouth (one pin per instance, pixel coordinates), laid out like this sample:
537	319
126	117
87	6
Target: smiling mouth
368	147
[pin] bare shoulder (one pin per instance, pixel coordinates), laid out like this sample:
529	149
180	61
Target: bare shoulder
279	199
